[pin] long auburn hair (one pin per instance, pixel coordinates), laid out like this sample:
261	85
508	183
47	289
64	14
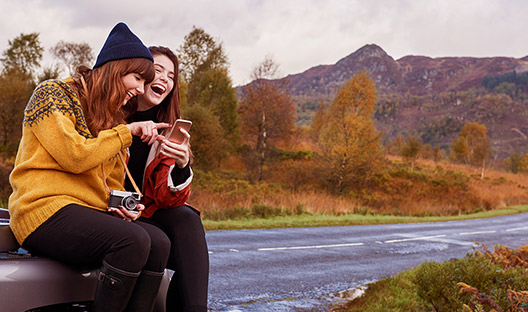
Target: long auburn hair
104	92
170	107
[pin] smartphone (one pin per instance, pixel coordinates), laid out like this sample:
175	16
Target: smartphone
176	134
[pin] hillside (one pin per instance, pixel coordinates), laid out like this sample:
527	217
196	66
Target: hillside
428	97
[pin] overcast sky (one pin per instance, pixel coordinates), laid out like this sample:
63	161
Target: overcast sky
297	34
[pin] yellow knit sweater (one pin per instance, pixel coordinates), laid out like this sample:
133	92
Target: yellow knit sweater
59	161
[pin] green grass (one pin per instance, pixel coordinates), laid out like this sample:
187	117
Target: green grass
394	294
309	220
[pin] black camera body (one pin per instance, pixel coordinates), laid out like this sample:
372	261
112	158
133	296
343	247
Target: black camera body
129	200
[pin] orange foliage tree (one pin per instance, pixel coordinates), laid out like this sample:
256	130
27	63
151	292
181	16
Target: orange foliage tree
349	140
267	113
472	145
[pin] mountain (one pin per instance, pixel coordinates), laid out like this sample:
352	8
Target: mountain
428	97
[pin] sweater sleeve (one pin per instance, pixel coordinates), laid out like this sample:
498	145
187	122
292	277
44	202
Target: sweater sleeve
180	175
56	131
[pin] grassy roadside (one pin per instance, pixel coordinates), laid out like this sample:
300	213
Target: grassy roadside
481	281
312	220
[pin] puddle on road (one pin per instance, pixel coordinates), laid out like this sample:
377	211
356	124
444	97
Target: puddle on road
418	248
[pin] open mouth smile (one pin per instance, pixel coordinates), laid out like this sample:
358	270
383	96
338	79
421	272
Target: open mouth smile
158	88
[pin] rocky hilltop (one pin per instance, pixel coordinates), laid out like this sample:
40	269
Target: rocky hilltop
428	97
417	75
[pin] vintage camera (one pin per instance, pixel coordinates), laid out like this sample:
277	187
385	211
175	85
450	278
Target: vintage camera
129	200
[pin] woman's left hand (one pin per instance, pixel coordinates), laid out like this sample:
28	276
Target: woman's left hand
126	214
179	152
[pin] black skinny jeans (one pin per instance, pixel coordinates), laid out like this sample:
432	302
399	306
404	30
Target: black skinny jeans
83	236
189	257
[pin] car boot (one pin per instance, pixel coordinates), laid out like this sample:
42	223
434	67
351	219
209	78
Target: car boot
114	288
145	292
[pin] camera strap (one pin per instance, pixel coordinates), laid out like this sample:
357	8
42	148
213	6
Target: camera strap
136	188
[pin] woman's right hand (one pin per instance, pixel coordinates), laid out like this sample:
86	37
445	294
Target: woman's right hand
147	130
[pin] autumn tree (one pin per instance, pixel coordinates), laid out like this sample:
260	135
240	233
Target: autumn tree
20	61
204	75
267	112
200	50
411	149
23	54
394	147
318	121
208	143
472	145
73	54
513	163
459	150
349	140
523	167
15	90
427	151
214	90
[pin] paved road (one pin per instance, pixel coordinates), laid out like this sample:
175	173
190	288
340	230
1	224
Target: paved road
300	269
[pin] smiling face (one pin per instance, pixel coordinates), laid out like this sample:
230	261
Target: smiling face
134	85
161	86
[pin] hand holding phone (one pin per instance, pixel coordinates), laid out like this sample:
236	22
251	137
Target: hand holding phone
176	134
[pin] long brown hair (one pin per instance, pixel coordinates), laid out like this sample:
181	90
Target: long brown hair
102	100
170	107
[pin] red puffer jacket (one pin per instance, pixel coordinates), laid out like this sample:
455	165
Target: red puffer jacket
159	191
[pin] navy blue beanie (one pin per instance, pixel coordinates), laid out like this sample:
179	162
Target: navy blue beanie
122	44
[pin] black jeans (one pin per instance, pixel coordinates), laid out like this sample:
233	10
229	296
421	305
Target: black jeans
189	257
83	236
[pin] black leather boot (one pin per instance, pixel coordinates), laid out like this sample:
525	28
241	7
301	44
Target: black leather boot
114	289
145	292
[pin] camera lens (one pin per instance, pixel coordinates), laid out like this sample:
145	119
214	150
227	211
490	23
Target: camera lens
130	203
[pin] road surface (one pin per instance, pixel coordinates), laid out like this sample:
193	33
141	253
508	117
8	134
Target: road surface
300	269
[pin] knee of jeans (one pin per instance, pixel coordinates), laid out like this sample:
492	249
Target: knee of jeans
159	253
131	252
187	215
139	240
161	243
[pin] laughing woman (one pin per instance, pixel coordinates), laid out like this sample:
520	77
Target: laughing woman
68	160
165	171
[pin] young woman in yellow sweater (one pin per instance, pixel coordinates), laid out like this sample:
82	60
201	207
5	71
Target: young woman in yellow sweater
68	160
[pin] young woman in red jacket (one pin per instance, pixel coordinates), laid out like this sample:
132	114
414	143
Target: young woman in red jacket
165	175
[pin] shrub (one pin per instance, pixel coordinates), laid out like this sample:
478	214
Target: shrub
438	283
265	211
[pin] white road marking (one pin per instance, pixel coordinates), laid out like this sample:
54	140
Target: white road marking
311	247
478	232
517	229
432	238
413	239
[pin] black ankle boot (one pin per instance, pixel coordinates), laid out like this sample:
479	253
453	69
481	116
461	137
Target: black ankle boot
114	289
145	292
